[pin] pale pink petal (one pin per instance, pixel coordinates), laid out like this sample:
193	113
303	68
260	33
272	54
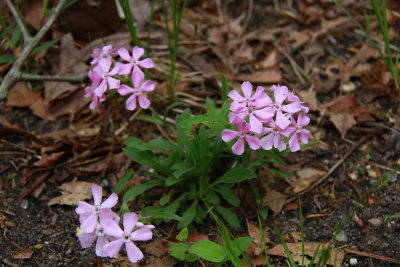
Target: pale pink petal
107	214
288	131
247	89
87	239
304	133
137	52
255	124
146	63
124	54
125	90
263	101
99	91
130	219
267	142
303	120
292	107
134	253
112	248
239	123
228	135
96	53
105	64
258	93
238	147
147	86
124	69
238	107
97	194
265	113
294	143
83	208
111	228
278	142
88	92
235	96
137	78
95	77
246	128
144	103
113	83
280	94
114	70
89	225
142	234
93	104
101	242
131	102
254	142
110	202
281	120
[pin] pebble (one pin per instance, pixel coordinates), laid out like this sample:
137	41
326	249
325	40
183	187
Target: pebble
24	204
393	178
353	261
375	222
341	236
326	234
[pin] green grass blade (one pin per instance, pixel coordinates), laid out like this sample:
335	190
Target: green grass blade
45	5
314	256
287	251
149	28
264	243
302	233
129	20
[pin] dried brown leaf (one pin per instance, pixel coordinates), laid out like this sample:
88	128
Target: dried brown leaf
49	160
23	253
271	75
256	247
72	192
342	121
274	200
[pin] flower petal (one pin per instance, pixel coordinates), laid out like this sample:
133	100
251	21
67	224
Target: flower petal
137	78
235	96
304	133
101	242
265	113
255	124
90	223
147	86
267	142
228	135
143	102
292	107
294	143
111	228
137	52
131	102
238	147
258	93
281	120
280	94
110	202
124	54
125	90
130	219
247	89
142	234
134	253
239	123
97	194
112	248
278	142
146	63
303	120
113	83
83	207
253	141
87	239
124	69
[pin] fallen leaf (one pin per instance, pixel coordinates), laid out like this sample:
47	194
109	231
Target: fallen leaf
310	97
72	192
256	247
271	75
298	185
49	160
158	247
343	122
23	253
274	200
308	172
342	103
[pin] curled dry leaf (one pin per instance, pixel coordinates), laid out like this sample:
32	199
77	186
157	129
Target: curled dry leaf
270	75
343	122
23	253
256	247
274	200
72	192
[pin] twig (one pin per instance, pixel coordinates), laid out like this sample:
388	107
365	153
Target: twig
35	77
20	23
15	74
371	255
331	170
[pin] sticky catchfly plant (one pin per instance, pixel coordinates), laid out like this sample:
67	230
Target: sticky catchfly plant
133	61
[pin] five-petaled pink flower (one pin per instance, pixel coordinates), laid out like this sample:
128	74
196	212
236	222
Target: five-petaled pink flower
89	214
134	62
133	231
107	82
243	134
106	53
89	90
297	129
280	95
137	91
273	137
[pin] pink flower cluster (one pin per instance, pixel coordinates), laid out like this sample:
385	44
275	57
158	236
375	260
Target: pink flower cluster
106	73
99	222
264	122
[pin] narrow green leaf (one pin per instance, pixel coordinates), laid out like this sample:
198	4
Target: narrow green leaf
151	119
143	157
139	189
211	198
224	88
44	46
6	59
229	217
16	36
241	244
235	175
283	242
165	199
207	250
226	192
123	181
183	234
283	174
178	250
188	215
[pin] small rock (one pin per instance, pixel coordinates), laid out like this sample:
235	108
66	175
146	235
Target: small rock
353	261
353	176
348	87
24	204
393	178
375	222
327	234
341	236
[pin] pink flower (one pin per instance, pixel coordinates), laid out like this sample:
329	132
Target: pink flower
105	53
130	221
89	214
297	129
280	95
137	91
257	107
89	91
244	128
107	81
134	62
273	138
87	239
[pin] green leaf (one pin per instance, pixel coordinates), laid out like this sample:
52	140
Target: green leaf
162	145
207	250
181	168
44	46
183	234
151	119
241	244
178	250
165	199
166	216
229	217
139	189
235	175
284	174
123	181
135	143
188	215
16	36
6	59
224	88
143	157
226	192
212	198
270	154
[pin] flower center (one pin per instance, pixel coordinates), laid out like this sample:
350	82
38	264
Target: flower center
96	208
126	238
138	92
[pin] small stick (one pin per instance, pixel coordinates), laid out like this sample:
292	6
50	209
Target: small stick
366	254
331	170
35	77
21	25
15	74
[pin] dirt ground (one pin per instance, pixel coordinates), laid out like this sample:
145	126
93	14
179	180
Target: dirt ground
346	182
